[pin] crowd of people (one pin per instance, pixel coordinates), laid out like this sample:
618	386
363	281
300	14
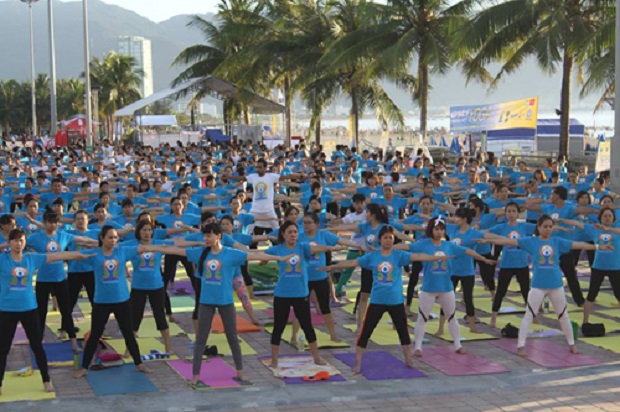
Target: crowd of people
208	208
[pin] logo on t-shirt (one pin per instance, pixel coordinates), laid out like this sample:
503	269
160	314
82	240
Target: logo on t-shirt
52	247
19	278
31	228
547	256
260	190
457	241
439	267
177	224
384	272
293	266
237	225
373	195
370	240
315	256
213	273
605	239
110	270
555	217
147	261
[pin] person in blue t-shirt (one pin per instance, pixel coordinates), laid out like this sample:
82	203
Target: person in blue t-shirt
387	292
112	295
606	262
545	251
52	278
17	299
292	288
80	275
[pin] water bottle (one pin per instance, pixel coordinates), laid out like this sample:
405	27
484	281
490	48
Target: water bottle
546	305
301	342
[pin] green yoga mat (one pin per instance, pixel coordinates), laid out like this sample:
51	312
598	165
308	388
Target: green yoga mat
219	340
182	304
384	334
257	304
264	277
607	300
610	342
322	338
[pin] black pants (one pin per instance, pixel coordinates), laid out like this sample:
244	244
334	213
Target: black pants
577	255
156	297
596	280
414	277
366	281
281	310
487	272
61	291
245	272
567	265
373	316
30	322
78	279
170	269
467	286
321	290
101	314
505	277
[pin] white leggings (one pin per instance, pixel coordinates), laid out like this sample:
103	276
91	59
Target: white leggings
534	300
448	304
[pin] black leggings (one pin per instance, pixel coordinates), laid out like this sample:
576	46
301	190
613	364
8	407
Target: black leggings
589	253
568	268
245	272
281	310
505	277
78	279
487	272
61	291
366	281
596	280
414	277
30	322
138	303
100	316
373	316
170	270
321	290
467	284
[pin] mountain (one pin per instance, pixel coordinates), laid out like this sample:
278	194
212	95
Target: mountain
170	37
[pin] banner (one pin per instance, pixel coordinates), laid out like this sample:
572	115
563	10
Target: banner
509	115
603	157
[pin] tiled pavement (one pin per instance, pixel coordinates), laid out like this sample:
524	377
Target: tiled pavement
526	387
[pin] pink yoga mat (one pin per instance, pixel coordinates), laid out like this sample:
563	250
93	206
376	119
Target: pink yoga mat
548	354
448	362
314	317
20	337
215	372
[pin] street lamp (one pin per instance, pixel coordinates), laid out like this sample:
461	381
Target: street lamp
33	79
614	169
50	19
89	119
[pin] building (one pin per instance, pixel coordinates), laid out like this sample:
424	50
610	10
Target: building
140	49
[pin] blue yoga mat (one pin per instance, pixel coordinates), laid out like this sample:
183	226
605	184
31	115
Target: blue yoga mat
119	380
56	353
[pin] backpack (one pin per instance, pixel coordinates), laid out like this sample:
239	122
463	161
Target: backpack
593	330
510	331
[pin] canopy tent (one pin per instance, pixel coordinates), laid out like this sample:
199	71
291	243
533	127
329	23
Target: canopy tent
156	120
216	87
548	136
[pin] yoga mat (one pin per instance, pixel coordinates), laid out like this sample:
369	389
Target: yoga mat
611	325
607	300
183	287
82	323
298	366
24	388
85	307
466	335
447	361
380	365
548	354
611	342
58	354
146	345
316	318
384	334
148	329
322	339
536	330
182	304
219	340
119	380
243	325
215	373
486	305
257	304
20	337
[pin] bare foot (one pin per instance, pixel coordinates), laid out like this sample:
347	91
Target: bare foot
80	374
144	369
439	332
335	338
320	361
356	370
171	319
573	349
48	387
521	352
409	364
273	364
474	330
461	351
194	381
256	322
417	353
77	349
126	354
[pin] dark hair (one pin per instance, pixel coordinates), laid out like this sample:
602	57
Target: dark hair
436	221
7	219
385	229
583	193
283	228
603	210
480	205
290	209
378	211
212	228
512	204
358	197
229	218
561	192
542	219
104	231
465	213
97	207
79	212
51	217
16	234
313	216
126	203
606	196
139	227
58	201
204	216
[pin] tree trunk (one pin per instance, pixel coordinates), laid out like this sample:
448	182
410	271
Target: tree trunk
317	132
423	97
287	112
355	114
567	72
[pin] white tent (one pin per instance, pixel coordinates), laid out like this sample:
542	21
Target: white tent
156	120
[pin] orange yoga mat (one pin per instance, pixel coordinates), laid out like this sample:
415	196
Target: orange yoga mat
242	325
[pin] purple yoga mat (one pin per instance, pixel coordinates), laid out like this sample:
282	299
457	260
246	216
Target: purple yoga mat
20	337
448	362
380	365
215	372
332	378
314	317
183	285
548	354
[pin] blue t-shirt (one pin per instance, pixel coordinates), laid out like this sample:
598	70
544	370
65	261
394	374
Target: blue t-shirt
546	273
371	236
387	285
241	222
317	260
42	243
173	222
217	276
393	207
80	265
147	267
604	259
463	266
16	292
293	278
110	275
27	226
567	211
512	256
437	274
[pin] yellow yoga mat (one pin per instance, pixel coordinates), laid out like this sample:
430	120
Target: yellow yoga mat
508	306
610	342
24	388
612	313
146	346
322	338
257	304
608	300
85	307
384	334
82	323
148	329
219	340
466	335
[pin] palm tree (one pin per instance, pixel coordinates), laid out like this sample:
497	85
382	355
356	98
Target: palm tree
42	92
70	97
550	30
12	104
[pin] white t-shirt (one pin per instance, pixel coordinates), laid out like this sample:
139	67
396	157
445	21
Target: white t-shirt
355	218
262	199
